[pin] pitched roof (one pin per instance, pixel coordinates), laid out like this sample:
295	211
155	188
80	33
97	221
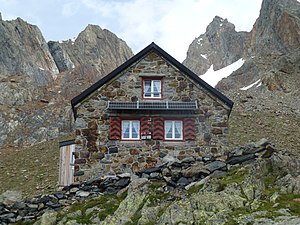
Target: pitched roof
155	48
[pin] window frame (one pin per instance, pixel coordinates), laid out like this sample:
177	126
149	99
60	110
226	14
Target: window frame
152	79
173	130
130	130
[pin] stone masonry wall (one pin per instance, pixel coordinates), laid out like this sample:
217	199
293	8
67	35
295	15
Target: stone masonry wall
96	155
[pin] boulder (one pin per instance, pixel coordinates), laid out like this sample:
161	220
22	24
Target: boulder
216	165
9	198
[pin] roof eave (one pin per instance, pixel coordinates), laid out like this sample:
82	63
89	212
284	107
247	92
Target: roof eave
134	59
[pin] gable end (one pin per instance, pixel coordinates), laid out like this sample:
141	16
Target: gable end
155	48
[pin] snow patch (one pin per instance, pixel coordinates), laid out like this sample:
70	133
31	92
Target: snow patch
257	83
221	24
74	38
199	41
204	56
213	77
41	68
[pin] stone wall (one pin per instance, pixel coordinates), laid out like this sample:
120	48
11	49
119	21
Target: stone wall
97	155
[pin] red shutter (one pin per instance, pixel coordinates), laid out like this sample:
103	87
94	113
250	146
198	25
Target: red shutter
115	128
158	128
145	126
189	128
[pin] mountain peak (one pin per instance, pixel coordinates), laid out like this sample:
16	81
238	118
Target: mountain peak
219	23
219	46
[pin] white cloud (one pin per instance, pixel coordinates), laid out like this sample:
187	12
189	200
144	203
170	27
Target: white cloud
172	24
70	9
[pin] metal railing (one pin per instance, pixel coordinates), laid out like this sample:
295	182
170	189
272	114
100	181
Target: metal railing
153	105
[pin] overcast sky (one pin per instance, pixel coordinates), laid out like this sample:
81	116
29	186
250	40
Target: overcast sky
172	24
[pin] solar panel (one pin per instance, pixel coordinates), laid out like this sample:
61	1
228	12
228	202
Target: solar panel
153	105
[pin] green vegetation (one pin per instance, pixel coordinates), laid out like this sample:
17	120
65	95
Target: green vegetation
234	176
251	127
157	195
195	189
103	206
265	208
135	218
31	170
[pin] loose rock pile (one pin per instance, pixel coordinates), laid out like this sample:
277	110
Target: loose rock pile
14	209
182	173
175	173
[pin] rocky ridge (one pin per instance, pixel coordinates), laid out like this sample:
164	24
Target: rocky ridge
254	178
270	50
265	88
88	57
219	46
38	79
24	51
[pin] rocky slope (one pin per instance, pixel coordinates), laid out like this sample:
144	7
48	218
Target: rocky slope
24	51
270	50
93	54
265	88
219	46
38	79
255	185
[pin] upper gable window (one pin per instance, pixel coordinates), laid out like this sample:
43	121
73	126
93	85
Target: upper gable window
152	88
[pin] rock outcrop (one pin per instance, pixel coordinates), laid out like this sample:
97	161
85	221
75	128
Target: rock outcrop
219	46
254	185
24	51
37	80
92	55
272	53
270	50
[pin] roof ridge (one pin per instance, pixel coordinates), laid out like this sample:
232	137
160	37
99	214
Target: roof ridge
134	59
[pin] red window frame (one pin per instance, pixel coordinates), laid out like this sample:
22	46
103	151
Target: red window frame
161	87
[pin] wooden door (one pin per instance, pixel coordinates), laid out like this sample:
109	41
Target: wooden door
66	164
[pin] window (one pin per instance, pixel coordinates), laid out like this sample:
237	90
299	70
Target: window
152	88
130	129
173	130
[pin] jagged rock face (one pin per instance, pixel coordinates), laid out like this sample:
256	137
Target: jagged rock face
277	30
220	46
271	50
37	80
93	54
24	51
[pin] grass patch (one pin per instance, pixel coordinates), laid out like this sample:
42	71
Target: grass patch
31	170
278	129
233	176
106	204
156	196
135	218
287	201
195	189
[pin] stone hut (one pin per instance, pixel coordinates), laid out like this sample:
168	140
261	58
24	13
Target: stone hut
149	110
